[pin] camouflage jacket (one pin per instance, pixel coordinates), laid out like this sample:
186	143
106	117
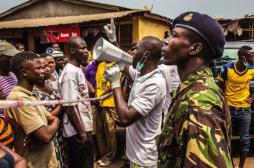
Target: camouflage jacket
197	128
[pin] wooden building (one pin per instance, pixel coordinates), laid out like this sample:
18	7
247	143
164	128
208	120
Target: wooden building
36	22
238	29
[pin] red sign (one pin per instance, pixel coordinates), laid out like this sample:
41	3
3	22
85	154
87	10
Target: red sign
54	34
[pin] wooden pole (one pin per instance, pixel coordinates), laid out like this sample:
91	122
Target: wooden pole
252	30
31	46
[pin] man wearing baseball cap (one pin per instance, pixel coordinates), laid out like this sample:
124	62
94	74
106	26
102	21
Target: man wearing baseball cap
196	132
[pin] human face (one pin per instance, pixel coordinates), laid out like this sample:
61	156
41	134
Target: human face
21	48
137	52
33	71
250	57
56	47
59	62
80	52
176	48
47	69
132	48
51	63
65	61
5	64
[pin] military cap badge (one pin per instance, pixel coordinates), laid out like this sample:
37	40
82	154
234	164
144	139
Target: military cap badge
188	17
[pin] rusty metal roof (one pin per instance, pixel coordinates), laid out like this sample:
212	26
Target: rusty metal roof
90	3
50	21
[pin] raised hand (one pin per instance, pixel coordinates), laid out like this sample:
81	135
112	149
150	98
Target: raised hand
110	30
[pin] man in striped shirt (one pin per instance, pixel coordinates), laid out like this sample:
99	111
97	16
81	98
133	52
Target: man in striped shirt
7	78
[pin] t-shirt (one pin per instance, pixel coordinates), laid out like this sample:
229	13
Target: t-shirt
172	82
90	72
102	85
27	119
73	86
148	98
6	83
237	87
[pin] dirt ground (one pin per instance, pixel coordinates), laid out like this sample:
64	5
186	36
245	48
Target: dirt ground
248	164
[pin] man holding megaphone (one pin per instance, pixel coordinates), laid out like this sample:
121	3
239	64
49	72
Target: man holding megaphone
142	115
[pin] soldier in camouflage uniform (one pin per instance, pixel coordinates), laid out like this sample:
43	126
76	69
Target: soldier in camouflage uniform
197	128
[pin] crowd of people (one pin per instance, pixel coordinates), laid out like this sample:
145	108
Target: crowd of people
168	123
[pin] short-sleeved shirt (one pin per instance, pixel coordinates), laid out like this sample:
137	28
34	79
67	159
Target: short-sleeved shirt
7	83
237	87
73	86
45	96
27	119
172	82
102	85
148	98
90	72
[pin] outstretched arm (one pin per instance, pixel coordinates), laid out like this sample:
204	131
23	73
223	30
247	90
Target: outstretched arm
127	114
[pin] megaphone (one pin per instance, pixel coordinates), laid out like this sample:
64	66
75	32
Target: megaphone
105	51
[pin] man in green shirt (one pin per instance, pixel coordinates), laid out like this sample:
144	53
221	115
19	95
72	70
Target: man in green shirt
196	130
34	126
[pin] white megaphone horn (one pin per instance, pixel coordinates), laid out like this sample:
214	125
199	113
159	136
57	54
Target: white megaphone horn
105	51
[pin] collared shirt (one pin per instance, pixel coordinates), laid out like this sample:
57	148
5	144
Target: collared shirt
237	87
73	86
196	132
147	97
27	119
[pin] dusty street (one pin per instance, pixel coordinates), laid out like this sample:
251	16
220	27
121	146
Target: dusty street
249	163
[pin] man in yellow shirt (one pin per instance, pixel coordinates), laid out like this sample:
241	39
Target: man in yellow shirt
106	127
235	79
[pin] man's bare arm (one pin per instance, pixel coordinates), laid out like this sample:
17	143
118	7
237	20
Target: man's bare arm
47	133
127	115
75	121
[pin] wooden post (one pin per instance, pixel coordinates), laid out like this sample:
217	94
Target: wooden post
119	33
31	46
252	30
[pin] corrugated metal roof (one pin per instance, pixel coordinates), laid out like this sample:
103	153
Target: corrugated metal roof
26	4
50	21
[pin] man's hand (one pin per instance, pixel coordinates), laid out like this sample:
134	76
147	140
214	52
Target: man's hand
113	75
51	118
250	99
83	138
94	102
110	30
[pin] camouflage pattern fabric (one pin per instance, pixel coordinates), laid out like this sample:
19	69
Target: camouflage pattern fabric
197	128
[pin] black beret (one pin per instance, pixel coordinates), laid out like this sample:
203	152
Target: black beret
206	27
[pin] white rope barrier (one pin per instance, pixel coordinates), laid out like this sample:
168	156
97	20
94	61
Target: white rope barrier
18	103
